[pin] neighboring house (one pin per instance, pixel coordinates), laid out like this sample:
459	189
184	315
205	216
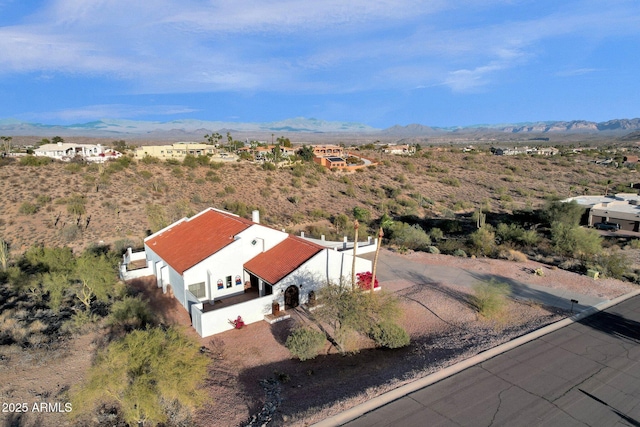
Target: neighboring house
178	150
220	266
328	151
622	209
400	149
331	162
514	151
66	151
545	151
262	153
509	151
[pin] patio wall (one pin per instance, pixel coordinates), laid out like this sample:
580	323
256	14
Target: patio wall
216	321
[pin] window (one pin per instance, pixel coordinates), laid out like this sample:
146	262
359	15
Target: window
198	290
229	282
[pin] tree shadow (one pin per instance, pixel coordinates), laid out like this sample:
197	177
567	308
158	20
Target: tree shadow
424	282
523	292
281	330
615	325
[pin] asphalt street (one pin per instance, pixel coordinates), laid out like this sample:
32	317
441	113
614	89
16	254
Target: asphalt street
585	374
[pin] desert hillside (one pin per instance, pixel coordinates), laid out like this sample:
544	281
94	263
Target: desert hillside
78	205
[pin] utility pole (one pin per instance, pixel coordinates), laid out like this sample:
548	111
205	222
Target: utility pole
375	259
356	225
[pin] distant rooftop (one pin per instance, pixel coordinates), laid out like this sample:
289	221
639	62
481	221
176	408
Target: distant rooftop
590	201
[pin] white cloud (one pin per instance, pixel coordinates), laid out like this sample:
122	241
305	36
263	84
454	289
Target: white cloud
112	111
576	72
198	46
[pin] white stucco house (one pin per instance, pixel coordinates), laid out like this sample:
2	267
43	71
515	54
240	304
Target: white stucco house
65	151
220	266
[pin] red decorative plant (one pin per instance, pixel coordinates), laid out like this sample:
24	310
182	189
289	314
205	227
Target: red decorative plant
364	281
238	323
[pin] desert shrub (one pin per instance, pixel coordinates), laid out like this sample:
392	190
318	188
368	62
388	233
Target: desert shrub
145	174
70	232
389	335
73	168
319	213
229	189
513	255
305	343
614	264
28	208
190	161
268	166
35	161
80	322
76	204
635	244
563	213
482	241
121	245
146	374
436	234
449	180
490	298
409	236
459	252
433	250
149	160
515	233
574	241
43	199
130	313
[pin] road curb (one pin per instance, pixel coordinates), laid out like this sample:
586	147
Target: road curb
385	398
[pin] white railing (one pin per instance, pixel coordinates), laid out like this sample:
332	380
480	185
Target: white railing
218	320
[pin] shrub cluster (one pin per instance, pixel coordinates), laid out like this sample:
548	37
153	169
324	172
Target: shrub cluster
305	343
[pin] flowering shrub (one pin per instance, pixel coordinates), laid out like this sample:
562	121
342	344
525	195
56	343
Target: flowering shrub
364	281
238	323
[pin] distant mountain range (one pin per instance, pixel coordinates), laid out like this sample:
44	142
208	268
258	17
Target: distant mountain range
198	128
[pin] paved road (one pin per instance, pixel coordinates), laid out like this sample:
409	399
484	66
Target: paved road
392	266
585	374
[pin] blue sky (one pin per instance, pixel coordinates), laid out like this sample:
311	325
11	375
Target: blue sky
381	63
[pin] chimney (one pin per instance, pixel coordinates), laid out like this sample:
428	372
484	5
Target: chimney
255	216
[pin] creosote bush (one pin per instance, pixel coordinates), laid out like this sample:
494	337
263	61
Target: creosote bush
389	335
305	343
490	298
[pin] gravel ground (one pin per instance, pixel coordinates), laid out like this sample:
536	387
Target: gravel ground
255	381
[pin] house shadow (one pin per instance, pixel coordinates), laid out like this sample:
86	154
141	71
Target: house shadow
324	381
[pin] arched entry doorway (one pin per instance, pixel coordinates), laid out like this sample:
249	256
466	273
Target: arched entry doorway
291	297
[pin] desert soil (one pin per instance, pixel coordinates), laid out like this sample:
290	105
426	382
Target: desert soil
252	371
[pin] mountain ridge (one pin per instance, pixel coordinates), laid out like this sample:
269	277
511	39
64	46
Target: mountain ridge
188	127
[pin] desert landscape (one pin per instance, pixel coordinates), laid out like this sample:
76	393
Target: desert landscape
252	377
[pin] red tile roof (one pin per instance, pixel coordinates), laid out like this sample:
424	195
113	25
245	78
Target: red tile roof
281	260
189	242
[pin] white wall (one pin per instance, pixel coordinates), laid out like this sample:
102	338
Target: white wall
230	260
174	279
216	321
327	266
